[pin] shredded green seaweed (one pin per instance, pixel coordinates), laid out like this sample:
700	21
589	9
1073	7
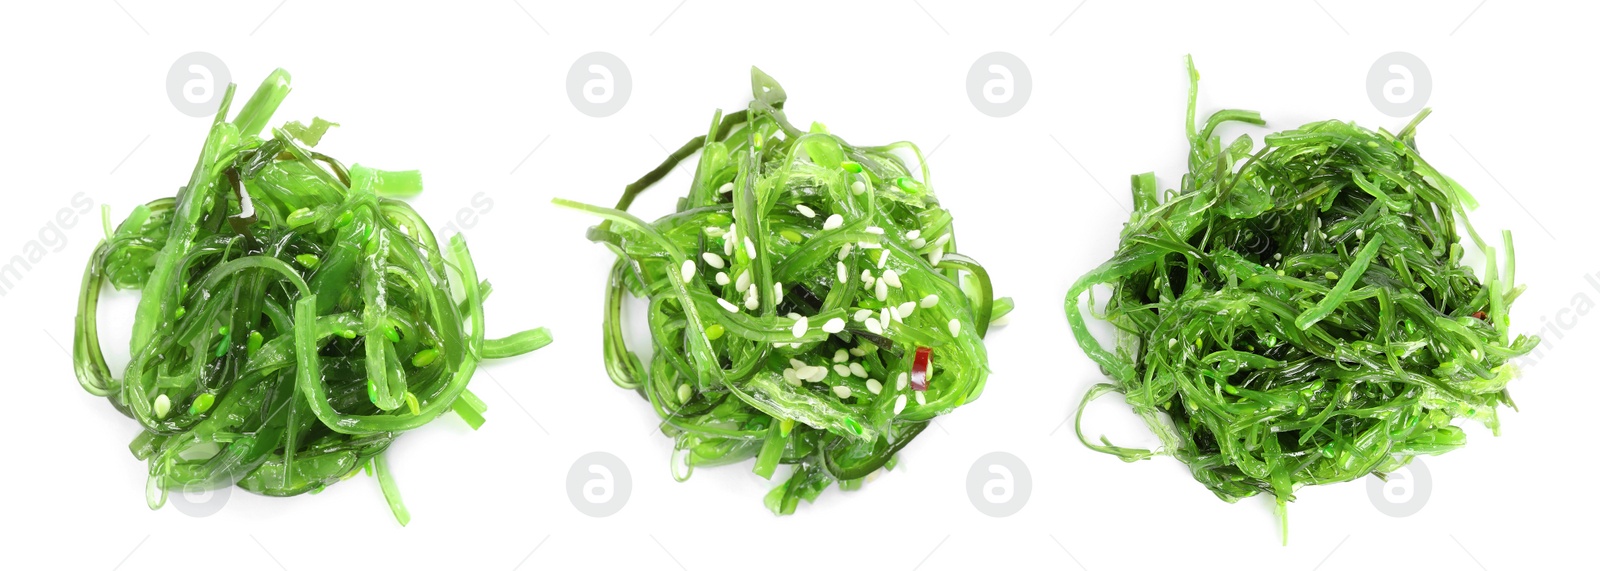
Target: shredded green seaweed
789	296
294	319
1301	314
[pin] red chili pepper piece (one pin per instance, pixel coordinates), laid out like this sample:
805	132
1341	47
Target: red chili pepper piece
920	365
1480	315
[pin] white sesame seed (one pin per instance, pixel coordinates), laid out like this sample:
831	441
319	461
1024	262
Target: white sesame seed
834	325
1360	233
868	245
742	283
930	301
728	305
841	356
858	351
906	308
688	270
722	278
817	374
749	247
727	244
162	406
796	363
793	315
922	398
874	387
881	290
858	370
862	314
935	257
894	313
900	382
899	404
892	277
805	372
842	391
842	369
1277	256
874	327
790	377
918	243
795	345
858	187
883	258
684	393
844	273
713	260
914	234
866	276
715	231
800	327
875	230
955	328
833	221
752	300
845	250
805	211
726	188
777	291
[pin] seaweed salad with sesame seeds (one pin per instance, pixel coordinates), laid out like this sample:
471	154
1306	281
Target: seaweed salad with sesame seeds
1301	314
294	317
807	305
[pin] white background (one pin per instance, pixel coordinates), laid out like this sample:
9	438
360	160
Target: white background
474	95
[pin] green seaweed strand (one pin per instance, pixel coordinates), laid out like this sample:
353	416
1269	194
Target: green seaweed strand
1300	314
782	233
294	318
